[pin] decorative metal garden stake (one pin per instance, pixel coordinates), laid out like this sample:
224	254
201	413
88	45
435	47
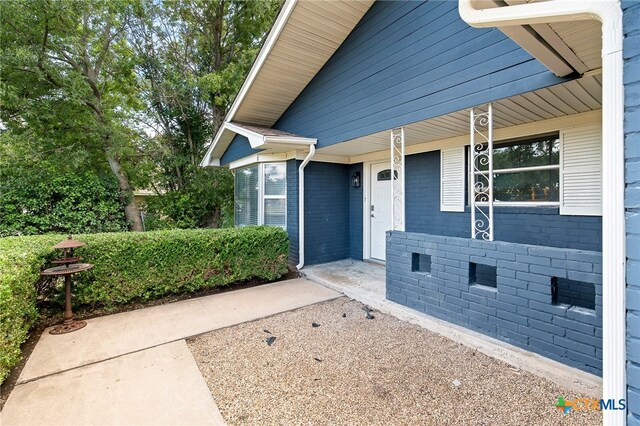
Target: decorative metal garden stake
68	267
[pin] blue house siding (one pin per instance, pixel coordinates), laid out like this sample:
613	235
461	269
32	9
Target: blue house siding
237	149
397	67
631	54
355	214
525	225
326	205
519	310
292	210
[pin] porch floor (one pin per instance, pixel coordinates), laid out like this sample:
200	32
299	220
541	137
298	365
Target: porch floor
366	283
363	281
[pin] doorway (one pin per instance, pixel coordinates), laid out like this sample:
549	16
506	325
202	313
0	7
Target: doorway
379	209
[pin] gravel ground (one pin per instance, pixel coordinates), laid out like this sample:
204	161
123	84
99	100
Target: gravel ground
354	370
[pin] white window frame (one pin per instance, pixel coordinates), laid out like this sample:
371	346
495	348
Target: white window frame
519	170
261	195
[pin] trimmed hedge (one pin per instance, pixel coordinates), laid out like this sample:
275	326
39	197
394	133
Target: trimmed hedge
133	266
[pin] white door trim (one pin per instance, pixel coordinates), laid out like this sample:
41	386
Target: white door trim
366	208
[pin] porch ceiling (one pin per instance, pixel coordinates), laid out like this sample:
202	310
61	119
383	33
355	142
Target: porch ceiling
573	97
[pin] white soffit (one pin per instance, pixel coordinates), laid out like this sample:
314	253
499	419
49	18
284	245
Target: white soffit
573	97
562	47
585	40
312	33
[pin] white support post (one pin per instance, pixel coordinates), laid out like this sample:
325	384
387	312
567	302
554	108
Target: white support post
397	179
481	170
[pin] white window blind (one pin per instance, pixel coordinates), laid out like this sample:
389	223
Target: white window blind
581	171
275	196
246	196
452	179
261	195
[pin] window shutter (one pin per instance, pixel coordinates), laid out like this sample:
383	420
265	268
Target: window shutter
581	171
452	179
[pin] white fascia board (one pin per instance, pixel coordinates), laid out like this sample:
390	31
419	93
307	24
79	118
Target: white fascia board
257	141
284	156
273	36
207	161
266	158
260	141
257	158
290	140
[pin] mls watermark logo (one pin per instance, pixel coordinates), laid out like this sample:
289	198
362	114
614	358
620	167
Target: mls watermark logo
589	404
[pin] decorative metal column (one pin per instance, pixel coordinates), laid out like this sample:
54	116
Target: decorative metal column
397	179
482	174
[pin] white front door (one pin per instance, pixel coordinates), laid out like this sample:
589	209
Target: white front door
379	208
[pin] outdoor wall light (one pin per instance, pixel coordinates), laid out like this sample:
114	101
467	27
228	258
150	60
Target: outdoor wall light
355	180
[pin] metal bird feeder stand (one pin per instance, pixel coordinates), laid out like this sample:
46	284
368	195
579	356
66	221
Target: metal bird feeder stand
68	265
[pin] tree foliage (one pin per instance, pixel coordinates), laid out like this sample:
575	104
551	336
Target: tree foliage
135	88
37	200
192	59
68	76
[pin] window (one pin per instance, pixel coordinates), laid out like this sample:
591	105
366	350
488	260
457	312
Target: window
261	195
275	195
246	196
527	171
386	175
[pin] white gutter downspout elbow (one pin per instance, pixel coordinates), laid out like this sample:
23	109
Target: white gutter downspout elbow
609	13
312	151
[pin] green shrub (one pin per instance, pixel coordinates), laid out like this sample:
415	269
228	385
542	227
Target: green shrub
21	259
133	266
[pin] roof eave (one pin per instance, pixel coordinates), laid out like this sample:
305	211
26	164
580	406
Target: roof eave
227	132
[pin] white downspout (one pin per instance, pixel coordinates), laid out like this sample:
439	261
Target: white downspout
608	12
312	151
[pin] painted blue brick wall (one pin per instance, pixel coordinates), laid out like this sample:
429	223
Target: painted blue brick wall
531	225
397	67
292	210
326	199
519	311
631	54
355	215
237	149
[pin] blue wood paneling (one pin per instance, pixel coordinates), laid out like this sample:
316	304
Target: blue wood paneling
238	148
406	62
631	54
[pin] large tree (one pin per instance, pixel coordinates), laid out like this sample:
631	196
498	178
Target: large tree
192	57
68	76
134	87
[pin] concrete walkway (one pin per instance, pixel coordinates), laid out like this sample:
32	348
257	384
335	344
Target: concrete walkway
134	367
